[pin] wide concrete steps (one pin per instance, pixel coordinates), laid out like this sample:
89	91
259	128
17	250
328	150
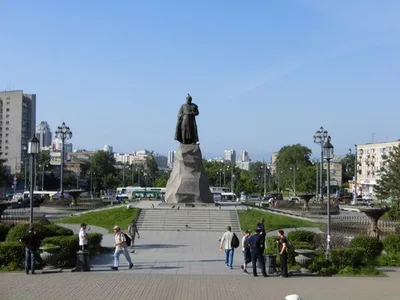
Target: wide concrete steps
187	220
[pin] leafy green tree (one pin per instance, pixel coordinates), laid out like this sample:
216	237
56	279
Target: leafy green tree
348	163
5	178
102	166
294	161
152	166
388	183
110	181
43	159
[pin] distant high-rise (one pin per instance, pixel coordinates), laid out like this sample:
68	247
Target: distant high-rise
274	160
171	159
17	126
244	161
43	134
108	148
230	156
245	156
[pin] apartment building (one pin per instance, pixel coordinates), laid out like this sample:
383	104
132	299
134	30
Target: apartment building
230	156
370	159
17	126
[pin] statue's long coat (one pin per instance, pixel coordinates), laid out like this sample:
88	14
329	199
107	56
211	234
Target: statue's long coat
186	127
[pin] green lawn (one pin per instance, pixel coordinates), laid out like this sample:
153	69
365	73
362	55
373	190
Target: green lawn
105	218
249	219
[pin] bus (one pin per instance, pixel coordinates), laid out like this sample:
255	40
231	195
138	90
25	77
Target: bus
228	197
134	192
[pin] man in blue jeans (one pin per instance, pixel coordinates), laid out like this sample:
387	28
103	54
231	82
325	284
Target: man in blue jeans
31	243
225	244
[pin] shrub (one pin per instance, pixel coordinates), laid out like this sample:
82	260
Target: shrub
69	246
366	271
391	243
372	247
347	257
95	243
321	265
301	236
271	246
4	229
391	259
12	256
43	231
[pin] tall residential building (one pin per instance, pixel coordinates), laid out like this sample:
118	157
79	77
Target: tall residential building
17	126
171	159
108	148
370	159
274	161
244	161
230	156
44	135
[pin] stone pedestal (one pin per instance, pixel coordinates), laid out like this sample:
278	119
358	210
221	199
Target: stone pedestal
188	182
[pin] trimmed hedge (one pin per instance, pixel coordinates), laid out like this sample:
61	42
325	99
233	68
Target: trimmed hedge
301	236
372	247
43	231
391	243
12	253
347	257
12	256
4	229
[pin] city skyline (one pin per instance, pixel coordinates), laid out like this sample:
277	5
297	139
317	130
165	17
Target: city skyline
270	80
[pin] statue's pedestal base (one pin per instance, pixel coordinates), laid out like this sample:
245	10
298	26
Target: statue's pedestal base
188	182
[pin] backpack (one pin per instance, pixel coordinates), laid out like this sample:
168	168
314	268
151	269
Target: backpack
128	240
235	241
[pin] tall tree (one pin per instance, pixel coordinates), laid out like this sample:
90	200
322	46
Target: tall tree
43	159
294	166
348	163
102	166
152	167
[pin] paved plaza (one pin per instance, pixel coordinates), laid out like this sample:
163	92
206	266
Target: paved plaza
130	285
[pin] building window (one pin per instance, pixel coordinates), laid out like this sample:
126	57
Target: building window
7	122
6	134
7	128
6	154
7	109
6	147
7	116
8	103
6	141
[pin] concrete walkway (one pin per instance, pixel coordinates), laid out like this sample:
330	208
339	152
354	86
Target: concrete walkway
173	252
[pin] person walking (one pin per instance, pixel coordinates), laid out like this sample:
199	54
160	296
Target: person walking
133	231
226	244
120	247
246	251
283	253
31	242
83	237
257	252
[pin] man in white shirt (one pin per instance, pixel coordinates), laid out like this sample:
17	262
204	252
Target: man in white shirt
246	251
83	237
120	247
226	241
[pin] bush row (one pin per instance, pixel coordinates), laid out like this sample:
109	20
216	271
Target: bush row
12	253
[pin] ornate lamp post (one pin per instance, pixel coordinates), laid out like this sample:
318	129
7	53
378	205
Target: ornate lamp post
328	155
63	133
320	137
33	150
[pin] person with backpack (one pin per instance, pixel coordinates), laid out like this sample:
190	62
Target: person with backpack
283	253
229	242
31	242
120	247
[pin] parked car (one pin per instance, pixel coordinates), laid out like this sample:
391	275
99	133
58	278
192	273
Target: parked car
296	200
254	198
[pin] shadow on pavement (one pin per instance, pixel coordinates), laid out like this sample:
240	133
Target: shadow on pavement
158	246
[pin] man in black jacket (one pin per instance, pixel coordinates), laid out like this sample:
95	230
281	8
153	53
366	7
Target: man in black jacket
31	242
256	244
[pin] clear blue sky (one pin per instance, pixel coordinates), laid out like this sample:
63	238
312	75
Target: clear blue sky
264	73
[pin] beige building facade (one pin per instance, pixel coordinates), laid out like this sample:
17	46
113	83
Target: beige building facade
370	159
17	126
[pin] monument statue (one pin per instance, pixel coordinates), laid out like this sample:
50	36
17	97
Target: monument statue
186	127
188	182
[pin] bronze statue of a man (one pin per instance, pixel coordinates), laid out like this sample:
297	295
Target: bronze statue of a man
186	127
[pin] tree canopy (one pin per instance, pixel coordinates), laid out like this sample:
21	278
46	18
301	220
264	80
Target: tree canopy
388	183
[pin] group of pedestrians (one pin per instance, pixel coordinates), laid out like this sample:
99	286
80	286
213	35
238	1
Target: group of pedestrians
253	247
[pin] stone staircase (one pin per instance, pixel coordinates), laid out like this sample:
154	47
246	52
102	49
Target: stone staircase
188	219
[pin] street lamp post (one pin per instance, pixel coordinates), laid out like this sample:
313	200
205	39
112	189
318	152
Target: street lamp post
224	176
25	168
316	180
232	179
220	177
264	168
63	133
294	179
328	155
33	150
320	137
42	177
355	172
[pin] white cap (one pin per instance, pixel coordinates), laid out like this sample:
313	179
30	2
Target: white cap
292	297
